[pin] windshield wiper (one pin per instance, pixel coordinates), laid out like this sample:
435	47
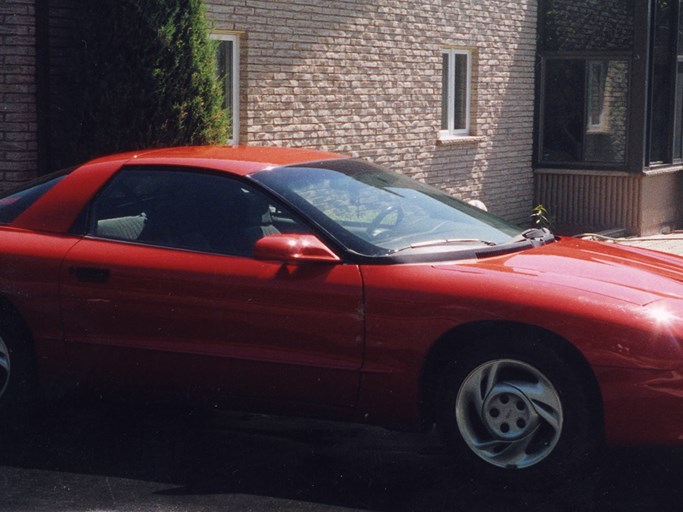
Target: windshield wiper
542	235
445	241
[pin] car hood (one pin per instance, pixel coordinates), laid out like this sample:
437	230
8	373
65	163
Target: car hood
616	271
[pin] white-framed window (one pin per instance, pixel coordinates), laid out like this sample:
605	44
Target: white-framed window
456	92
228	57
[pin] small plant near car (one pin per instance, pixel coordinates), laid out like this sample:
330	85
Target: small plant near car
540	217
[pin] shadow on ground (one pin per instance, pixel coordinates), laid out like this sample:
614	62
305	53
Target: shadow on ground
108	458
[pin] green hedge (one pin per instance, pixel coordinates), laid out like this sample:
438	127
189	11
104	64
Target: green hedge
144	75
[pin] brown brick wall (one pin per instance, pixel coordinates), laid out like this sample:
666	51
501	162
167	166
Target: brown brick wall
359	77
18	111
364	78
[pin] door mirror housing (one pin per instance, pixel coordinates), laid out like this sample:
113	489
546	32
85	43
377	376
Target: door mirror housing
294	248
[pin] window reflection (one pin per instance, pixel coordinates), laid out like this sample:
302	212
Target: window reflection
586	47
585	110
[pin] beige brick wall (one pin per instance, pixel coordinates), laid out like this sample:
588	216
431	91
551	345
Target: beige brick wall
18	117
364	78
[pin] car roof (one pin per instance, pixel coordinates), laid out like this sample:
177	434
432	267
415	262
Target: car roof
239	160
57	210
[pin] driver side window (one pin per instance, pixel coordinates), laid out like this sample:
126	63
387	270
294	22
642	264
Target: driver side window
186	210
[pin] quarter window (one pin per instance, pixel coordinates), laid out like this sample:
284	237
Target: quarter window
456	91
16	202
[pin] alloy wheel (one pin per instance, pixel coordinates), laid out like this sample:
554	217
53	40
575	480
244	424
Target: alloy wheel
509	413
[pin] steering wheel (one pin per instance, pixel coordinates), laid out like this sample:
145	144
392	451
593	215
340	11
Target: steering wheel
377	221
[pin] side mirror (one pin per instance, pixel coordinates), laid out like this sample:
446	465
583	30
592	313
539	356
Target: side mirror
293	248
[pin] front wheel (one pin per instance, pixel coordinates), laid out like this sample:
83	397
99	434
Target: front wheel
516	414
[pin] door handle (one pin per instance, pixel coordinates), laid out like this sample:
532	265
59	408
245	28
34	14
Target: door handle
90	274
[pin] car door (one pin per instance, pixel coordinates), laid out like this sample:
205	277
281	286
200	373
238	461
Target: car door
163	295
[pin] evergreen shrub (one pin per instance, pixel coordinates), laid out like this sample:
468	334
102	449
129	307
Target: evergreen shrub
143	76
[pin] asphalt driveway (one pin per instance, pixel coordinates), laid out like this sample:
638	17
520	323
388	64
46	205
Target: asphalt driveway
102	458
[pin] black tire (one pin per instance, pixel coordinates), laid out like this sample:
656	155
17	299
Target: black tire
517	414
19	390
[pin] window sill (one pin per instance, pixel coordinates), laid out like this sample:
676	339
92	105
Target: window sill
459	140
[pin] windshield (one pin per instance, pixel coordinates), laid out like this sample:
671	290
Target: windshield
375	212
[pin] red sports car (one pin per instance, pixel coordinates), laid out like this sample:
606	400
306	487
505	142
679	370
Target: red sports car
301	282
